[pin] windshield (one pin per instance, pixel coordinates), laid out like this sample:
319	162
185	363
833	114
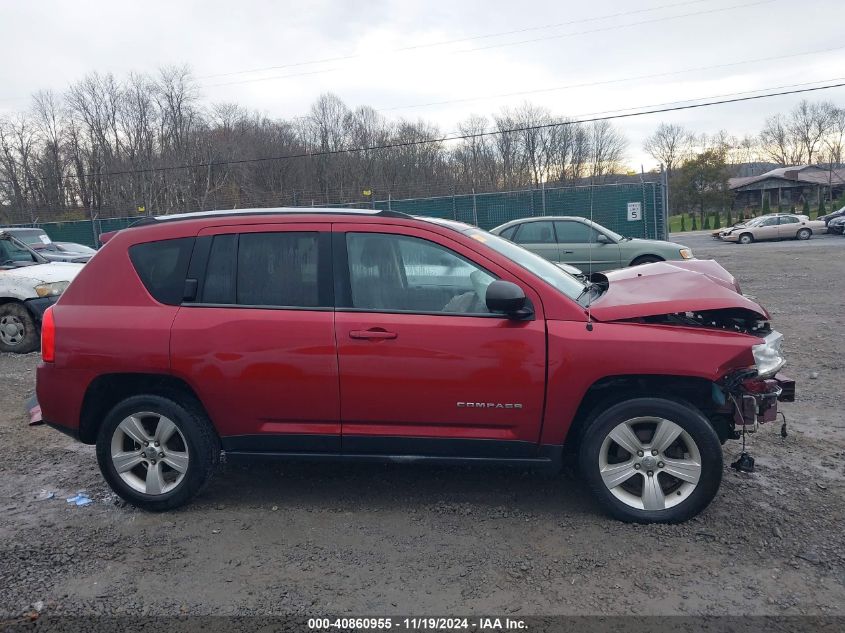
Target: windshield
543	268
34	238
13	252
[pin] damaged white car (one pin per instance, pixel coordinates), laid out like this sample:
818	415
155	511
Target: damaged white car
29	284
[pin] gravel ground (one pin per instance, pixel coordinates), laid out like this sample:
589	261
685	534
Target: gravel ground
364	539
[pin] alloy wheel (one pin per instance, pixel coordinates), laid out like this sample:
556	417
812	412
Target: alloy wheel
149	453
650	463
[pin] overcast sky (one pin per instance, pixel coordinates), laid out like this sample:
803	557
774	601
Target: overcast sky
408	58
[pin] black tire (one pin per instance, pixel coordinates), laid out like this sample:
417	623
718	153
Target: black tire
746	238
646	259
683	414
15	316
804	234
201	444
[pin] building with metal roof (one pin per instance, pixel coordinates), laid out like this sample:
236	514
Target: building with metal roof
788	186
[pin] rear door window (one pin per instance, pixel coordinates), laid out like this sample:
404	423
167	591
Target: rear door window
219	284
274	269
162	267
278	269
536	233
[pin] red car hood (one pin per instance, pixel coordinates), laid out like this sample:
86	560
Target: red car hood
667	288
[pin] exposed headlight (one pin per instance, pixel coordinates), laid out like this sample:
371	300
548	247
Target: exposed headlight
768	356
686	253
51	290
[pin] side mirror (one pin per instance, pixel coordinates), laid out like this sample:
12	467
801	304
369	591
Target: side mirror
509	299
602	239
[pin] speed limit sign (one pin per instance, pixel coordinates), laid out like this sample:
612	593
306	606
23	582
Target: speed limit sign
635	211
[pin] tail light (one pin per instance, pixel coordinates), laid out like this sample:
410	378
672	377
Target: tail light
48	336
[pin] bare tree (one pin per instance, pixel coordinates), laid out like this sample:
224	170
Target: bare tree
669	145
607	149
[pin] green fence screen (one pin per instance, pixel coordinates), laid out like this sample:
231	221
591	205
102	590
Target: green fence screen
632	209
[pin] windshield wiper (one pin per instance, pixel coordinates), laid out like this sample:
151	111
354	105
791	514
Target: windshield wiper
588	288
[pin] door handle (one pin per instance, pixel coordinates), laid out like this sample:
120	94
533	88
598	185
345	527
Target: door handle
568	252
375	333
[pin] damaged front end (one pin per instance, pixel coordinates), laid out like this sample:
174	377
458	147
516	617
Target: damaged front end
700	294
749	400
749	396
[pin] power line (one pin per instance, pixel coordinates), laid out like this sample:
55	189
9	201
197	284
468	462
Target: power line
458	40
455	138
501	45
610	28
611	81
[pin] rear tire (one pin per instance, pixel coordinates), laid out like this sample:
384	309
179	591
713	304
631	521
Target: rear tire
804	234
632	451
18	332
746	238
156	453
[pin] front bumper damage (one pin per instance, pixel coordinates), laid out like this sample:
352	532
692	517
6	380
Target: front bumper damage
37	307
753	401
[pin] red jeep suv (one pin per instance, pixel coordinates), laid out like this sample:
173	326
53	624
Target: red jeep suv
379	336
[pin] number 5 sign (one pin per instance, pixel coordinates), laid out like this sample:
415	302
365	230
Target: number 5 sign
635	211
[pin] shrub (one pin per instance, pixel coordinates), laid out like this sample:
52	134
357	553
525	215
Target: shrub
683	222
717	220
694	223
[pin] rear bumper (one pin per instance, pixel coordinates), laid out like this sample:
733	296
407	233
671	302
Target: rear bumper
74	433
60	393
37	307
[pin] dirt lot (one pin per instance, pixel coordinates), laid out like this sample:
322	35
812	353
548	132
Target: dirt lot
363	539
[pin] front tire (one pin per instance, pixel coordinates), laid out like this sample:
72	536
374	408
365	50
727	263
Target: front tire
651	460
157	453
17	329
746	238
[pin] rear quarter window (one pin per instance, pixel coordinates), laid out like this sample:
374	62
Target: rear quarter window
162	267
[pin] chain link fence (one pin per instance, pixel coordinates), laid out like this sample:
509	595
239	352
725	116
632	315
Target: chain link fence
632	209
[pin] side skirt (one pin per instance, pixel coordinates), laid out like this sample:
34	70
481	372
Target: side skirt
402	450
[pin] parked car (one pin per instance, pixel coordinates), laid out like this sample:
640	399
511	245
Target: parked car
837	226
29	284
773	227
832	216
72	247
39	241
585	244
365	335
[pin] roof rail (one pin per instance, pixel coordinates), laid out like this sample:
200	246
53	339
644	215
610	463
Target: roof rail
268	211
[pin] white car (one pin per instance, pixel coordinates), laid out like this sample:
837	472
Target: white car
29	284
775	226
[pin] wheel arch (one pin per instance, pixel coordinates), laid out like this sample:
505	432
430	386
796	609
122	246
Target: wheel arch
611	390
106	391
648	256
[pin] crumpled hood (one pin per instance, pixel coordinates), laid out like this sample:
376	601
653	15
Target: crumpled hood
668	288
42	273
